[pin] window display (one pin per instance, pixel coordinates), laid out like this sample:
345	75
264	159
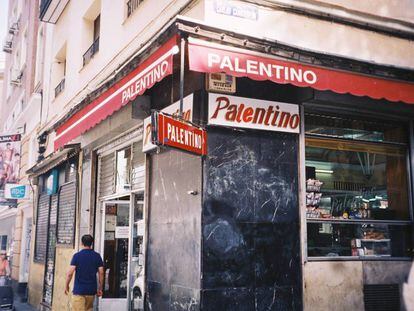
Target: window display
359	241
356	186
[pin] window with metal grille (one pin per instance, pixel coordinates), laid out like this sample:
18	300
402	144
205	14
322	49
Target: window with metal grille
132	5
66	214
42	224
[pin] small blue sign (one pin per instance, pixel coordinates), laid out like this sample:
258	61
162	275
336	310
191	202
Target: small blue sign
18	192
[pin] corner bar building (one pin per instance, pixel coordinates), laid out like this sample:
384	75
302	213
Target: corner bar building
303	198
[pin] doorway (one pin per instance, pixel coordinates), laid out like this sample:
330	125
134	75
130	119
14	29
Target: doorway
115	254
137	254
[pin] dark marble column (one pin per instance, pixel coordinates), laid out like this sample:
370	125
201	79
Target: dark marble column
250	222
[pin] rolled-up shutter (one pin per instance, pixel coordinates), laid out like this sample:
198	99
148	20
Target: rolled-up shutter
107	175
138	166
43	208
66	214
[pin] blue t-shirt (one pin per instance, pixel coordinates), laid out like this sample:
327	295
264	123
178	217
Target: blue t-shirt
87	262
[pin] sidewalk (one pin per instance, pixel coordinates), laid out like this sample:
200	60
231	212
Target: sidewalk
22	306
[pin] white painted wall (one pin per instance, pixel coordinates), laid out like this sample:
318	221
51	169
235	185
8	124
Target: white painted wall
318	35
120	39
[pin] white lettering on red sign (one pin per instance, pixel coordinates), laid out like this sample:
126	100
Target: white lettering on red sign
146	81
256	67
253	113
180	134
183	136
174	110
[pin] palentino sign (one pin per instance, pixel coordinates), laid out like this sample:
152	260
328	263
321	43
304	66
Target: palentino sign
169	131
173	110
210	57
152	70
253	113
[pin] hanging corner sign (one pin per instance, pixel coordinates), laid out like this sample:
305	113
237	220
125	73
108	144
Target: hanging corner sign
16	191
169	131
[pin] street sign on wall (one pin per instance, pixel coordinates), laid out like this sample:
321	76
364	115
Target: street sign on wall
169	131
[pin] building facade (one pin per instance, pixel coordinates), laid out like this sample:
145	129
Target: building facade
278	170
20	116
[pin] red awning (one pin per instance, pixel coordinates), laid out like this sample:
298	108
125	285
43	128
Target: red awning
155	68
213	58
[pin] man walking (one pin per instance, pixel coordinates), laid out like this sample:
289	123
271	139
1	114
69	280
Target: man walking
86	263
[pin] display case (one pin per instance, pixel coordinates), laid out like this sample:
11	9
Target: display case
358	240
357	189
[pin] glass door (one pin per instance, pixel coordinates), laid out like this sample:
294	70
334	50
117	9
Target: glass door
137	267
115	253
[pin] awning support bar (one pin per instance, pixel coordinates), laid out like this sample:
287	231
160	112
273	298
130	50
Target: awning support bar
182	68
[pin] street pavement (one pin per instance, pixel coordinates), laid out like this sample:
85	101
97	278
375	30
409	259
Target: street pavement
22	306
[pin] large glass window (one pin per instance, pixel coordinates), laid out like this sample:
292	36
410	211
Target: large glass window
357	189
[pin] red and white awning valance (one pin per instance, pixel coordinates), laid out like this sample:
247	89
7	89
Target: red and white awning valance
155	68
213	58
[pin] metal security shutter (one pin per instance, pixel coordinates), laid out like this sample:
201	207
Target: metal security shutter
382	297
51	250
107	175
42	227
66	214
138	166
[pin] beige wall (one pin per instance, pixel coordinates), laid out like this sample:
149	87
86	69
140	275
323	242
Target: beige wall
63	258
36	275
306	33
333	285
342	283
17	245
396	9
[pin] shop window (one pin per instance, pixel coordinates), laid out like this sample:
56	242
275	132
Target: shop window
70	171
357	189
3	240
123	170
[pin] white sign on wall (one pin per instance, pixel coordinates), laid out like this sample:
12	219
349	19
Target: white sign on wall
220	82
16	191
173	109
121	232
252	113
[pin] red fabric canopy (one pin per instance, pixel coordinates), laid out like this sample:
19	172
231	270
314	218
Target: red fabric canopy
152	70
213	58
